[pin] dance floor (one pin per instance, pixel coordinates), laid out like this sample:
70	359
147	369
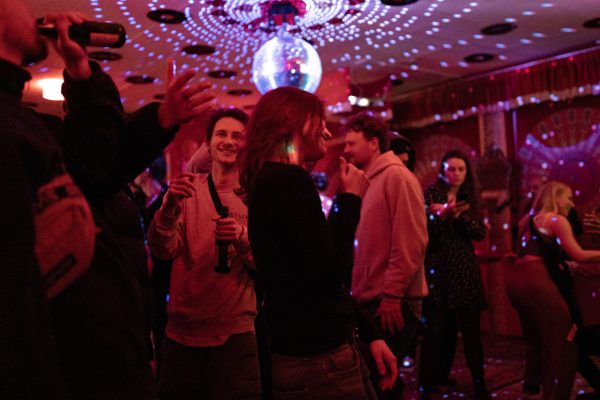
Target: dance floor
504	372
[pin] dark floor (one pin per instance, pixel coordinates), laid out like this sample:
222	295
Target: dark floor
504	371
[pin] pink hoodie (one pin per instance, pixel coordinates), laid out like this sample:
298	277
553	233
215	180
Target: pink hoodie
391	237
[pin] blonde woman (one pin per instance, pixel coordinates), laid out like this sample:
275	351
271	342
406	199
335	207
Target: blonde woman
539	285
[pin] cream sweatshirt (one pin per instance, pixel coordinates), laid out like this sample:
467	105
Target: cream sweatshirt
205	307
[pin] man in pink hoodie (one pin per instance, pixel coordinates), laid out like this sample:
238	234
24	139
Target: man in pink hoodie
210	347
388	278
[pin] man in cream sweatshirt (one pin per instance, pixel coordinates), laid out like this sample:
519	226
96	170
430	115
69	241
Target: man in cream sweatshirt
210	349
388	278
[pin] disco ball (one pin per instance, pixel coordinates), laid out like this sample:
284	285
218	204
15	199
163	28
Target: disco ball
286	61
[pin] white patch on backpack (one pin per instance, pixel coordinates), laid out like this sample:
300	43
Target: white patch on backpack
65	233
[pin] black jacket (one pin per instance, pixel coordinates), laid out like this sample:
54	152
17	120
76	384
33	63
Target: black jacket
98	323
29	157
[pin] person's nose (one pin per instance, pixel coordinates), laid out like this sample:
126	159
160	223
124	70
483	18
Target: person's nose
229	140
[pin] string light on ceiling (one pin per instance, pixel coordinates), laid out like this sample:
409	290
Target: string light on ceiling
237	28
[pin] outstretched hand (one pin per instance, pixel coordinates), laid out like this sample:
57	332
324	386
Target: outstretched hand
73	54
352	180
184	101
386	362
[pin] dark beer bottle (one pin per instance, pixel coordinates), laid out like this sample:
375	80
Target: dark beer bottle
90	33
223	261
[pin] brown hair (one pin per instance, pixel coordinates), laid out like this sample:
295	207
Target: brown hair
279	116
221	113
371	127
470	187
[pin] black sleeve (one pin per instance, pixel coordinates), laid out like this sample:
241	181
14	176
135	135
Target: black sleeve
436	227
103	147
368	329
28	361
325	255
343	220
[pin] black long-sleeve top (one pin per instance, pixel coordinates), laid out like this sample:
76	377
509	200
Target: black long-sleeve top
301	261
101	320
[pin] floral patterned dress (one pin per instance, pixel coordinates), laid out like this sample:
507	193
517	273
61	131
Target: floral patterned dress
452	268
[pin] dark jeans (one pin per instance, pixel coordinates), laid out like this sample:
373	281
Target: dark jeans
222	372
400	344
337	374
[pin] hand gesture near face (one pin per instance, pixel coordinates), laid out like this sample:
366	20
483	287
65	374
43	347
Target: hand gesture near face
352	180
181	187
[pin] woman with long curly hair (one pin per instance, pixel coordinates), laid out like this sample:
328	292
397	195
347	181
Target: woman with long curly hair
300	260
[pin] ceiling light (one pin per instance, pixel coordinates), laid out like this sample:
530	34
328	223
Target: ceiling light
51	88
140	79
221	74
199	49
166	16
239	92
498	29
398	2
103	55
592	23
479	57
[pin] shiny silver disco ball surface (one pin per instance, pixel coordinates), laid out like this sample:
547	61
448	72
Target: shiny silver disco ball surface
286	61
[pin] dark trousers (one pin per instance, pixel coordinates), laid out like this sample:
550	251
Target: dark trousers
546	323
588	344
400	344
225	372
438	322
447	350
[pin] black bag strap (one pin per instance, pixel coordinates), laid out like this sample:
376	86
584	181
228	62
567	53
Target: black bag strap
215	196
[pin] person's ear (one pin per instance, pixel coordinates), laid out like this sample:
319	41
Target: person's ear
374	142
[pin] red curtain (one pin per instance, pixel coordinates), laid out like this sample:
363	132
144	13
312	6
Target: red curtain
559	79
